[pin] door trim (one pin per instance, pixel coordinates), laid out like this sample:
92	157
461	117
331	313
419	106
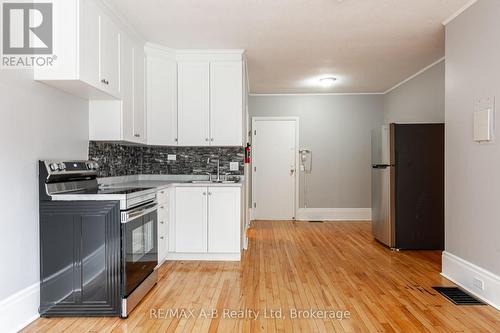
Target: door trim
297	172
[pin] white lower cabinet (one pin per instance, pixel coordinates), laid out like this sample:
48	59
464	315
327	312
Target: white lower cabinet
164	218
224	219
191	219
207	223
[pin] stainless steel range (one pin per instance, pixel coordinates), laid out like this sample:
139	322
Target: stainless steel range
98	245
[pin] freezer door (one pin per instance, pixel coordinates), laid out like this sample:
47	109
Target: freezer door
381	145
383	205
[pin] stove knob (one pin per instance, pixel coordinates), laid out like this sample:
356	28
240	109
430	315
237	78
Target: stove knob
96	166
62	166
54	167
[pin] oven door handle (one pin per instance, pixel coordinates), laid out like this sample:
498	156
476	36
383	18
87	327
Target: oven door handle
136	213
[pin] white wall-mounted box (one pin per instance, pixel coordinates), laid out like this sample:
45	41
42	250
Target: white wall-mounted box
483	125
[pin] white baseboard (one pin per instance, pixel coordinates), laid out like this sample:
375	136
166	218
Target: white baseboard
20	309
334	214
204	256
464	274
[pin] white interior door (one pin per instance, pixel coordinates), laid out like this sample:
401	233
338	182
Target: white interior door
274	169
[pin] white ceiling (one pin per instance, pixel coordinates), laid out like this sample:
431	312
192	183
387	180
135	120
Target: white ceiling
369	45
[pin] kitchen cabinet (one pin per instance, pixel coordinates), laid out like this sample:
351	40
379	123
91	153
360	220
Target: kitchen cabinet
226	103
191	219
207	223
87	50
161	100
139	70
224	219
123	120
193	103
210	103
109	56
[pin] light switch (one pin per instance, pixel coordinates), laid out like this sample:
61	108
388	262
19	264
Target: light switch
234	166
483	125
172	157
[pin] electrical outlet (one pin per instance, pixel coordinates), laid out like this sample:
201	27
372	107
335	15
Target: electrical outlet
234	166
477	283
172	157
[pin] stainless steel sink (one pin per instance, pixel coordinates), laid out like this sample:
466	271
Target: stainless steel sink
213	182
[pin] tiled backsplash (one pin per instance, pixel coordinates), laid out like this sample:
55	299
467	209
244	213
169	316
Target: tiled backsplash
122	160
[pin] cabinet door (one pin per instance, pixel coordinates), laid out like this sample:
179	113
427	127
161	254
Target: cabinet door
127	78
139	87
191	220
193	100
226	103
109	56
89	51
224	219
162	101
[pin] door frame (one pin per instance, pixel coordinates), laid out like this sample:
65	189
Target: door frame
297	166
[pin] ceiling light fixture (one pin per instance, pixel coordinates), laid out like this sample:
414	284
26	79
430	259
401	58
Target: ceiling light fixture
327	81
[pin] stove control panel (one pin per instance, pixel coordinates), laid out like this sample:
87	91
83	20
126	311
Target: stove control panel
71	167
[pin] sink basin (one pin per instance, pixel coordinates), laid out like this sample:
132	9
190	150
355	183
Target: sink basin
200	182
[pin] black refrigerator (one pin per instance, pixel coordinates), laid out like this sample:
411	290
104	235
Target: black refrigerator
408	186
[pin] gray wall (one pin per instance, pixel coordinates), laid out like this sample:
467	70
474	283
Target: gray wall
472	170
38	122
337	130
420	100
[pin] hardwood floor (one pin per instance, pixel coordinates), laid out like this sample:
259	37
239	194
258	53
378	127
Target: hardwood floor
334	266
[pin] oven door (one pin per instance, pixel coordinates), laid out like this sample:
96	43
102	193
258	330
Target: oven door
139	246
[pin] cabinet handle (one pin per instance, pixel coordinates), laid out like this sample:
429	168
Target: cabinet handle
212	139
162	237
161	222
162	207
137	135
206	139
106	82
176	140
162	192
209	193
204	193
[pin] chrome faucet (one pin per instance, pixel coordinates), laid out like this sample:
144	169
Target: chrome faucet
218	170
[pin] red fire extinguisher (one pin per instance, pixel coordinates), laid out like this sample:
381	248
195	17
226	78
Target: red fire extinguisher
248	153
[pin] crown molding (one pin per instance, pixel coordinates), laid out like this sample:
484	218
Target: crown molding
414	75
458	12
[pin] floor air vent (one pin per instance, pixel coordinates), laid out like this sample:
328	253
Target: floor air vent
458	296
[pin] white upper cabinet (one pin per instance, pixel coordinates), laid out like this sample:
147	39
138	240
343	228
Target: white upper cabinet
87	50
210	102
109	56
123	120
193	103
127	84
161	100
139	63
226	103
